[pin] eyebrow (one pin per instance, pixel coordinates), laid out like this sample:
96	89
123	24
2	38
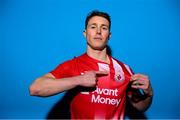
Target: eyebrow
96	24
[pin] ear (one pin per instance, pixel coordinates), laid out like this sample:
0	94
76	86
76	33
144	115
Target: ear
109	35
84	33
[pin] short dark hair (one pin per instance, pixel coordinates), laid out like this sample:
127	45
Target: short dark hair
98	13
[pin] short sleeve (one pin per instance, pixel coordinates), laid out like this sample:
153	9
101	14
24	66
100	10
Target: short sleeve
63	70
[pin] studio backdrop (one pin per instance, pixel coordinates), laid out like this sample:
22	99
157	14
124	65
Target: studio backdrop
37	35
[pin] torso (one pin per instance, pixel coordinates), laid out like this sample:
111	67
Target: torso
107	100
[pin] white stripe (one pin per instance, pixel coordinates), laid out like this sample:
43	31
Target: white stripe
103	67
118	70
128	69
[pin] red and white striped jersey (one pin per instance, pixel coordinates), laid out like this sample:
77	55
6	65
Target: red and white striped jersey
108	99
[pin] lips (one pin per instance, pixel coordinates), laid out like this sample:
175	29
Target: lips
98	38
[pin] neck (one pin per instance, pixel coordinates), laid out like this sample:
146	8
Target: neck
100	55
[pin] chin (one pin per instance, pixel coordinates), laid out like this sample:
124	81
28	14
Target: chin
99	48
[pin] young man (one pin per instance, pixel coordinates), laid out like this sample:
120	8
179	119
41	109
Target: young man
101	84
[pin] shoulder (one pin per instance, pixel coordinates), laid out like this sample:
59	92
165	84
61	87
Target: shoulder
66	68
71	62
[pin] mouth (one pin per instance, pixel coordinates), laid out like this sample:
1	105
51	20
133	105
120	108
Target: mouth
97	38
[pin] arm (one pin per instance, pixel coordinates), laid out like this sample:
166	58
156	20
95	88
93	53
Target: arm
48	85
138	100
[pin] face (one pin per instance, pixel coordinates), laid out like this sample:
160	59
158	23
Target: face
97	33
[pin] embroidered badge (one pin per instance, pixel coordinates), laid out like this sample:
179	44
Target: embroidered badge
119	78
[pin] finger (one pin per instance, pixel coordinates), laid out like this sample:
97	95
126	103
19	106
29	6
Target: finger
143	87
139	77
136	86
101	72
138	83
135	76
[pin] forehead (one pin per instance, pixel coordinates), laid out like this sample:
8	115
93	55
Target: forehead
98	20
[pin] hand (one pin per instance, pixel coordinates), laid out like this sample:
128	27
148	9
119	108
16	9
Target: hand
140	81
89	78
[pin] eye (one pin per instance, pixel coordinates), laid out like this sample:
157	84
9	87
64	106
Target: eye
92	26
105	28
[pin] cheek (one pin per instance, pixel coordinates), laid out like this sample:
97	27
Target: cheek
89	35
106	35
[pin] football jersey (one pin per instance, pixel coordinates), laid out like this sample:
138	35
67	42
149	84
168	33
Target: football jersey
107	99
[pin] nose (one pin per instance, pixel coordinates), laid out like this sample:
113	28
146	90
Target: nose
98	30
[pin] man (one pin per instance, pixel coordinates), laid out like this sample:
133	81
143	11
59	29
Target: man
101	84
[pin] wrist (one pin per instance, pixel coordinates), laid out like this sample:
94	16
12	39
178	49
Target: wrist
77	80
148	93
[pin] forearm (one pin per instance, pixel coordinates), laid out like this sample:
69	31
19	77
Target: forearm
47	86
143	104
141	101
